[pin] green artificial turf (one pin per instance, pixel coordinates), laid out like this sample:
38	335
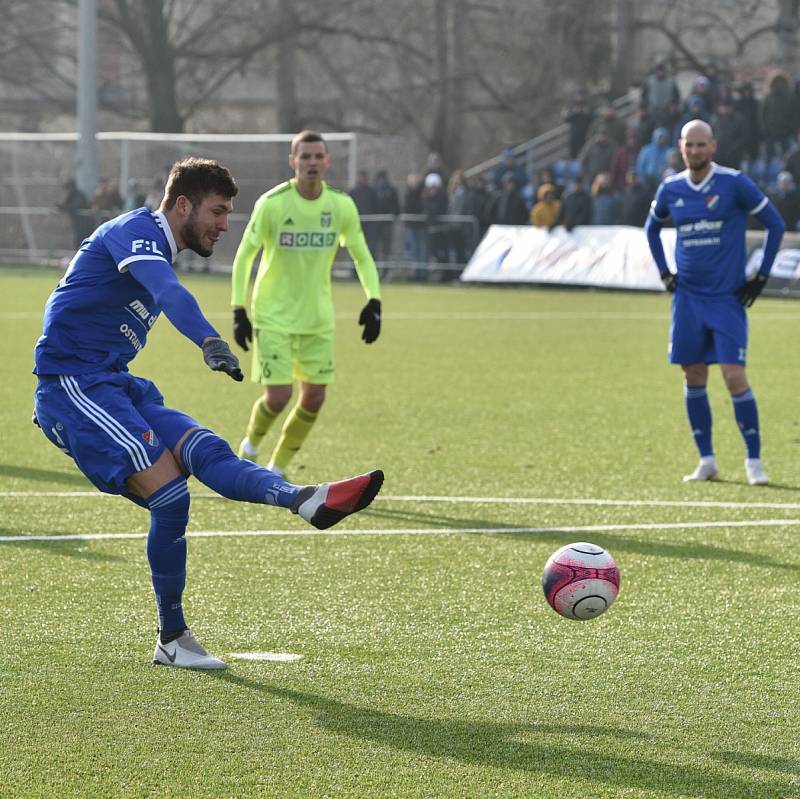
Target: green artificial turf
431	664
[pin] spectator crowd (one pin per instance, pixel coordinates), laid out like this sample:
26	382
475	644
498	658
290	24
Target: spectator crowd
614	165
613	168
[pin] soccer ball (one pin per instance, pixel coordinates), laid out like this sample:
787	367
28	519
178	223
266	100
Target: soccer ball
580	581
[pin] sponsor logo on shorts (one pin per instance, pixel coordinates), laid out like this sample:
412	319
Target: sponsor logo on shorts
59	441
150	438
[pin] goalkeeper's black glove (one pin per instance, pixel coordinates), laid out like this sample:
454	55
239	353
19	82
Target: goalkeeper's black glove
670	281
370	318
219	358
749	290
242	329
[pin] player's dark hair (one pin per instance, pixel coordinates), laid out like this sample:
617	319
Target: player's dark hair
196	178
307	136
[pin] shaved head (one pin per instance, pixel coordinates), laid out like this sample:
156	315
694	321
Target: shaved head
697	126
698	146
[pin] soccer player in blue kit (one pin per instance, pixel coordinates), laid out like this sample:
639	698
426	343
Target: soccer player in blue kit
709	205
116	427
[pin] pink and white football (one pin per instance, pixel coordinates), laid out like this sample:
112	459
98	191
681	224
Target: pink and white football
580	581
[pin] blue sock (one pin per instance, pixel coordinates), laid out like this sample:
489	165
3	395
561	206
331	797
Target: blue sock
166	550
746	413
209	458
698	410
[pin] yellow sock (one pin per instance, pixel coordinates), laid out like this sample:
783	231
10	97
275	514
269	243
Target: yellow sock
297	426
261	419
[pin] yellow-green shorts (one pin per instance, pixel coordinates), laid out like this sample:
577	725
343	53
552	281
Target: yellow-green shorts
279	357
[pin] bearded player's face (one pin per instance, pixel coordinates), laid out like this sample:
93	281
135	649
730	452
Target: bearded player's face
697	149
206	223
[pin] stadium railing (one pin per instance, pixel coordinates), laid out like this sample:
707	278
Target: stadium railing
551	146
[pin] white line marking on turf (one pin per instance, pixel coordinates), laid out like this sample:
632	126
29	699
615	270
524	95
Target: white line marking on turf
590	528
588	501
275	657
471	316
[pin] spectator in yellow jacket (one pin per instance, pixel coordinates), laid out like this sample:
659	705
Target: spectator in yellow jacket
545	212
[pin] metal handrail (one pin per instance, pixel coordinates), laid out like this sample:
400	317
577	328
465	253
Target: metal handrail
537	152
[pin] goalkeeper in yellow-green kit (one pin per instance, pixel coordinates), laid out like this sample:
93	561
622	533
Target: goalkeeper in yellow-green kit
299	225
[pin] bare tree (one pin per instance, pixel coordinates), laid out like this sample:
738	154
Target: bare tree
624	21
787	26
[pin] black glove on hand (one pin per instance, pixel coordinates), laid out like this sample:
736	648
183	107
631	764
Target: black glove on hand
370	318
748	291
219	358
242	329
670	281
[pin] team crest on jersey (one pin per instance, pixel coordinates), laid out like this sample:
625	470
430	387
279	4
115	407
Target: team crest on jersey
150	438
325	219
711	201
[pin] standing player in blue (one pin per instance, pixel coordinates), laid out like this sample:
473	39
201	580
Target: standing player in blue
709	205
116	427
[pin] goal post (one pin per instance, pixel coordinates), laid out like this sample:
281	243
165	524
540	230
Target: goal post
35	166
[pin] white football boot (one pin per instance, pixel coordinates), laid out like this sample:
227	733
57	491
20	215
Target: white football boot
706	470
185	652
328	503
756	475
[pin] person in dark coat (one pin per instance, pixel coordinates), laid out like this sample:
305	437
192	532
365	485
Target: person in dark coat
576	206
77	207
510	208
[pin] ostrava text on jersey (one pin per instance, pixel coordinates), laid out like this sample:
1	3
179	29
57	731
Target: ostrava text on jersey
710	219
98	316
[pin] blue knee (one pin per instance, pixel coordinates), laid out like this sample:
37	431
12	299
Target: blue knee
202	448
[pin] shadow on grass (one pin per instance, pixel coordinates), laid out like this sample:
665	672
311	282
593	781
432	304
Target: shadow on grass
497	745
753	760
766	489
71	549
45	475
614	543
435	519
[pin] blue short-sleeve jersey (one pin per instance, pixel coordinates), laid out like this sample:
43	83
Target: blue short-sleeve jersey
98	316
710	220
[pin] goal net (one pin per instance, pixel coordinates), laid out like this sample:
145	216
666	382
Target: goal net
34	168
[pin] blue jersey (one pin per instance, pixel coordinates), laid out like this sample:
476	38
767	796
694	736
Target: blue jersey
710	220
98	316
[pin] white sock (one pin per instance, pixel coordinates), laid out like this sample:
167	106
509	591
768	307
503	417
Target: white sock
248	448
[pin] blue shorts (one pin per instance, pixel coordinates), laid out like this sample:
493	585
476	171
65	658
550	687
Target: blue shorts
707	330
111	424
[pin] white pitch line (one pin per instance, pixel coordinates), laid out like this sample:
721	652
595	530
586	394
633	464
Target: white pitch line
588	501
591	528
473	316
